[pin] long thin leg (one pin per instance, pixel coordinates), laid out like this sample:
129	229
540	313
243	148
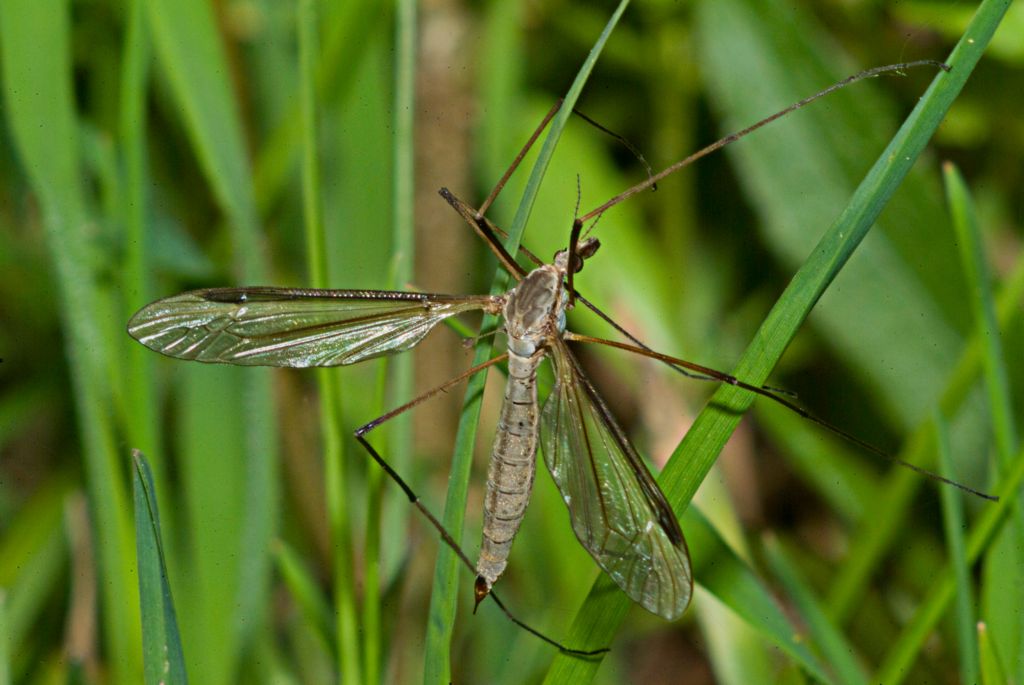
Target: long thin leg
652	180
487	230
800	411
519	159
360	434
750	129
533	139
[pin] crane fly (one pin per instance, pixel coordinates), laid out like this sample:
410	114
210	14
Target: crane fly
617	511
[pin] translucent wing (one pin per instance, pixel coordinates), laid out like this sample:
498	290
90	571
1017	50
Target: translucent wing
618	512
292	327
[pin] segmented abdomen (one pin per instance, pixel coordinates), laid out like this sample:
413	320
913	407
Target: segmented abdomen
512	467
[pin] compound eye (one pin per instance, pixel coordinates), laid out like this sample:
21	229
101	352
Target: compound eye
588	247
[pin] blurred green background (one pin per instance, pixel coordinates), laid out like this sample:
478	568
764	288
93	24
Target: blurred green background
151	146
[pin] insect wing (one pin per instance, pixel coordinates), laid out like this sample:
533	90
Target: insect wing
618	512
292	327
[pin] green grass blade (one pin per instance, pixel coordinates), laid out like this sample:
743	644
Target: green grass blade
736	585
978	279
346	27
837	652
444	598
1001	590
33	559
892	498
954	523
400	385
5	641
191	56
738	653
193	60
597	621
992	670
161	643
897	662
39	107
137	276
347	649
306	592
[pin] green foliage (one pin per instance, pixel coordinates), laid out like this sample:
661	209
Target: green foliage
151	147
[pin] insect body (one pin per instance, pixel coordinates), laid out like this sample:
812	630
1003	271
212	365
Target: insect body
617	511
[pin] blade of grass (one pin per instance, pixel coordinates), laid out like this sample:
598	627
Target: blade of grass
954	524
892	498
1002	591
33	558
992	671
400	369
897	662
161	643
191	56
347	649
738	653
143	427
347	24
5	642
306	592
978	279
738	587
444	598
597	621
835	649
39	106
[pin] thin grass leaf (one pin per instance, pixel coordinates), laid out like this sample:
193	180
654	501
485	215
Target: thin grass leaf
992	670
983	306
191	56
738	653
905	649
39	108
161	643
604	611
305	590
210	458
444	598
892	498
955	524
33	557
347	650
346	25
736	585
1001	589
136	277
895	495
400	369
837	652
5	642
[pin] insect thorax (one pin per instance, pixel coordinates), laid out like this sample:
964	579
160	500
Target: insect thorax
534	310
